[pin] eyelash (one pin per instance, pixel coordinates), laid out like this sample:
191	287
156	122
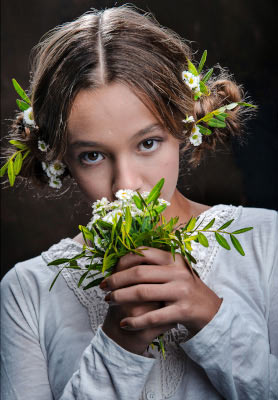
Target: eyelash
82	156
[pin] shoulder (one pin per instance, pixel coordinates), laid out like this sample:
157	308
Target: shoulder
34	275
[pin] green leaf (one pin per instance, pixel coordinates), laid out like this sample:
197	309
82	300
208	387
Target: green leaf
242	230
237	245
216	123
192	68
128	220
222	116
231	106
228	223
202	239
4	169
207	76
60	261
55	279
155	192
18	144
83	276
26	154
209	225
11	173
202	62
138	202
21	92
203	88
222	241
242	103
18	163
22	105
204	130
108	261
191	224
190	258
94	283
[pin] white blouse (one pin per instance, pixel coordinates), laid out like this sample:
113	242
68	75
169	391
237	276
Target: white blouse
53	346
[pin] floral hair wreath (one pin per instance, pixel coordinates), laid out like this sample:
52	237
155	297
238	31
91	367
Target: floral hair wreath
215	118
55	169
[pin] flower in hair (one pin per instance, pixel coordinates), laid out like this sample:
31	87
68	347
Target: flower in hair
42	146
55	182
28	117
214	119
196	136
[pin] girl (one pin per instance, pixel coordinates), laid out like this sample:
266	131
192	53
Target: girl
112	108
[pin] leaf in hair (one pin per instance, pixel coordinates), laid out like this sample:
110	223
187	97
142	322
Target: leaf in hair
192	68
18	144
4	169
18	163
216	123
207	75
21	92
22	105
204	130
11	173
202	62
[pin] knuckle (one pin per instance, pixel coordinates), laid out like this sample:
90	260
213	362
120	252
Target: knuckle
143	293
139	273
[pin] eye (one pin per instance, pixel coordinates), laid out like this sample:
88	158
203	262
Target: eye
91	157
149	145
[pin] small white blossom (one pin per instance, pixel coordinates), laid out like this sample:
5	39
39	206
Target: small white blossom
55	183
188	119
28	117
196	136
42	146
112	215
100	204
126	194
56	168
44	166
191	80
162	202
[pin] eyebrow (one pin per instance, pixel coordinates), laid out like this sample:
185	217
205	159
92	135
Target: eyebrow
141	132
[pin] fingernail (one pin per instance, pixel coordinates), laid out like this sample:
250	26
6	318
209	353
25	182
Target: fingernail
103	285
108	297
124	325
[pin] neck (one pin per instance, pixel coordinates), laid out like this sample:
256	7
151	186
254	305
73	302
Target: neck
183	208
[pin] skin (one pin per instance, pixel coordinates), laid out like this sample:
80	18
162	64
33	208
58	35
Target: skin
108	151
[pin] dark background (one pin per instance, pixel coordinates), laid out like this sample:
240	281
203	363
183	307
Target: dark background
239	34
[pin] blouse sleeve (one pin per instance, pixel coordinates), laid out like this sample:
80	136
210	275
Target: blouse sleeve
104	367
239	354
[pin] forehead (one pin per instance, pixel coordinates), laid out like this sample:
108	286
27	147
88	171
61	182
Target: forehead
111	108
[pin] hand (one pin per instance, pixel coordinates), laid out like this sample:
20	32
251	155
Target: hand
166	293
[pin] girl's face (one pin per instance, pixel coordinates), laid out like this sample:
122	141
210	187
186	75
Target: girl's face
115	142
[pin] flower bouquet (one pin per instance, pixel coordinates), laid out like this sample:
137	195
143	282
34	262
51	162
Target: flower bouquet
135	220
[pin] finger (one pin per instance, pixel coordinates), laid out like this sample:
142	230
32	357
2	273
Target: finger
147	293
150	255
154	319
143	274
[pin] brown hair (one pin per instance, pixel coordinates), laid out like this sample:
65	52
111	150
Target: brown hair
118	44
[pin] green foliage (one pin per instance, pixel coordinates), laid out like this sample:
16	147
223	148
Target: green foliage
146	229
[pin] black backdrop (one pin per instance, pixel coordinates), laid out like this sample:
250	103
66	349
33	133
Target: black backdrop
240	35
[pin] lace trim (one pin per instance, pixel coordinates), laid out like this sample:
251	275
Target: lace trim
171	370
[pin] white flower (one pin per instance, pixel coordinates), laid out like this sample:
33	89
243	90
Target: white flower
191	80
92	221
126	194
188	119
56	168
28	117
196	136
55	183
115	214
44	166
162	202
42	146
100	204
